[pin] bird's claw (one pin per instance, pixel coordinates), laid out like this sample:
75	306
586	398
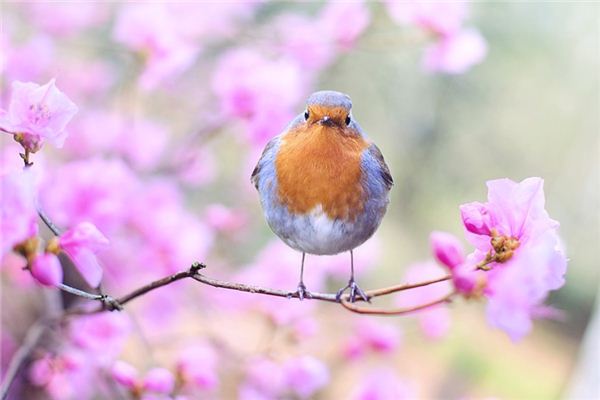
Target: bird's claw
301	292
354	291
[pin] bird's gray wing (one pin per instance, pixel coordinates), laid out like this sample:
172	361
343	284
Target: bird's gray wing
382	167
265	154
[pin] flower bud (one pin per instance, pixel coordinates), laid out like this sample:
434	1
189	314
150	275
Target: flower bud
46	270
159	380
468	281
476	218
125	374
447	249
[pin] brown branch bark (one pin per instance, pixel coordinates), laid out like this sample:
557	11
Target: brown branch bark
395	311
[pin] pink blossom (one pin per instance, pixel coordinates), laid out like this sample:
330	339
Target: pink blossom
455	53
306	375
125	374
66	18
305	328
96	190
102	335
197	365
353	348
143	142
224	219
63	376
18	214
40	371
265	379
95	132
344	22
372	335
441	18
244	81
434	321
303	39
447	249
262	126
254	88
159	380
38	113
173	236
80	243
161	309
381	337
198	166
382	384
523	240
214	20
151	30
86	79
46	269
29	61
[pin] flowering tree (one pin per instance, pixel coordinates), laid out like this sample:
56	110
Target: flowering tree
107	219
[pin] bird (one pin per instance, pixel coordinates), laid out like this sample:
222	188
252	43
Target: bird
323	185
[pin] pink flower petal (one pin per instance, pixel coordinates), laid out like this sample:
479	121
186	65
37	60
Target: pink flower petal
87	264
456	53
46	269
84	234
125	374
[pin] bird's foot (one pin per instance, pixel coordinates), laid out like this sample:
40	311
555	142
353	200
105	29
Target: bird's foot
301	292
354	291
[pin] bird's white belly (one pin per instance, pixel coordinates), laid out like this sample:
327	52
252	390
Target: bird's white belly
316	233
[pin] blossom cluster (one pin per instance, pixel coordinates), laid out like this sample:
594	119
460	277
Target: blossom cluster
518	257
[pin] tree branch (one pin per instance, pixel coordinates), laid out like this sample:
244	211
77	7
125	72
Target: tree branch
193	273
32	338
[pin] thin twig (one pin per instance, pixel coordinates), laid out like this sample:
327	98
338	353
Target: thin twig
395	311
242	287
161	282
34	334
81	293
44	217
407	286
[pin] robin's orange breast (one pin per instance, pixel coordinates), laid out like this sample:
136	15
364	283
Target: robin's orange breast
321	166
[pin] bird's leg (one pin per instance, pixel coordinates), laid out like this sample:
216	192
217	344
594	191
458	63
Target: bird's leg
354	289
301	291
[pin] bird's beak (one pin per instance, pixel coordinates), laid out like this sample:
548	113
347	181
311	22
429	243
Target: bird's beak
326	121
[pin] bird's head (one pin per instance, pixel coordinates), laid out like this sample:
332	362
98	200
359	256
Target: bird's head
331	109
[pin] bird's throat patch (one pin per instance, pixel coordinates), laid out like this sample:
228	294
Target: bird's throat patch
321	166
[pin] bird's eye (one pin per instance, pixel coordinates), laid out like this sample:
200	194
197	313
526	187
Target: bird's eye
306	115
348	120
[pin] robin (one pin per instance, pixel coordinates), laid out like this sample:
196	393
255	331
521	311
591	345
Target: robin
323	185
